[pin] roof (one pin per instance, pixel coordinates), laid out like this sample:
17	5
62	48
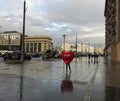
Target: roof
38	37
11	32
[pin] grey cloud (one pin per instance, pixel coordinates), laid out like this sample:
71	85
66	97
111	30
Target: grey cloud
76	12
83	16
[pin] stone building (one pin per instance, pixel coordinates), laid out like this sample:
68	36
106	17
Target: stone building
36	44
81	48
112	27
10	40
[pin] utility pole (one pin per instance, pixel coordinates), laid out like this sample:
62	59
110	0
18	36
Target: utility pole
24	11
9	42
64	41
76	46
82	48
1	39
22	51
89	48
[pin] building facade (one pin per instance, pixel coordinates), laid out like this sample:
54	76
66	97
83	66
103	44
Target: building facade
38	44
81	48
10	40
112	27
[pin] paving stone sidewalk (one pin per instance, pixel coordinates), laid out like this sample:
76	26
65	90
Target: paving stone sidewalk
39	80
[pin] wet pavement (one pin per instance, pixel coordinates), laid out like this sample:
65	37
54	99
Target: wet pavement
39	80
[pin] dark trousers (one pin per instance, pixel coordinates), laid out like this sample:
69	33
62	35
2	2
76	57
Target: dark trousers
68	65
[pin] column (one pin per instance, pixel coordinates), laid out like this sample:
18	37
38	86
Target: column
118	19
29	48
118	30
33	47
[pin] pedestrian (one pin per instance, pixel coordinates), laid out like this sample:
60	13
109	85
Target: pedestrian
68	65
89	56
67	58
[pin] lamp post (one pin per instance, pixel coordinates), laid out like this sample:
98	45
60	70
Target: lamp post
22	51
82	48
1	40
89	48
76	45
64	41
24	11
9	42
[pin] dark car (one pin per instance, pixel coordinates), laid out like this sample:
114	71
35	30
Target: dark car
58	56
15	56
8	55
27	57
35	55
47	54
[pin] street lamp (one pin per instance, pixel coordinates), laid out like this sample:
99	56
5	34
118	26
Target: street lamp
82	48
24	11
1	43
76	44
9	41
64	41
89	48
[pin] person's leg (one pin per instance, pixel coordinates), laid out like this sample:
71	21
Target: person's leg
69	67
66	67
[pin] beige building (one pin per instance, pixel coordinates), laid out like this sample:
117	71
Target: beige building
100	50
112	26
82	48
10	40
35	44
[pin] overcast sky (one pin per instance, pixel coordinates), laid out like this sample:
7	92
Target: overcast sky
55	18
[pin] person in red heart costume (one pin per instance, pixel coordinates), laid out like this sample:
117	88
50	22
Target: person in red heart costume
67	58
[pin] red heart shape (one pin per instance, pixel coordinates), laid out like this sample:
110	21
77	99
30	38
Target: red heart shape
67	57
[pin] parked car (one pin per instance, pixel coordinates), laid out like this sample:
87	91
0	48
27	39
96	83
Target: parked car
15	56
35	55
47	54
8	55
58	56
27	57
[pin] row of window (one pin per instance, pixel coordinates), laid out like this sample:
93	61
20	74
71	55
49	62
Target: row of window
36	47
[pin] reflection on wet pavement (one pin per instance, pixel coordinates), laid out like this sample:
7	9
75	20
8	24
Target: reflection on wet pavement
67	85
39	80
112	94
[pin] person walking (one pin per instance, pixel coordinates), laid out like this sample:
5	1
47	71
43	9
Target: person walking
89	56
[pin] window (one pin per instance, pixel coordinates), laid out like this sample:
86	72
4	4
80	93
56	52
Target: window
44	46
35	47
39	47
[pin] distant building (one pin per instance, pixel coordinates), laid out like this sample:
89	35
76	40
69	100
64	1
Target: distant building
100	50
81	48
36	44
10	40
112	27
